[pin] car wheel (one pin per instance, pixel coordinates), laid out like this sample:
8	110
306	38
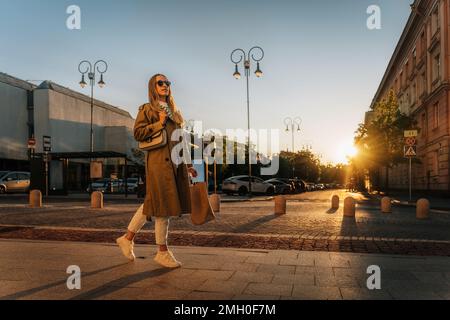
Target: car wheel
242	191
2	190
270	192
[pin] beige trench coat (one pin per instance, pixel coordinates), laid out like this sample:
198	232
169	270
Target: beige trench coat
167	184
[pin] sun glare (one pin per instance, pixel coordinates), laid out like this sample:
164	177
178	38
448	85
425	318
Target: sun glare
346	151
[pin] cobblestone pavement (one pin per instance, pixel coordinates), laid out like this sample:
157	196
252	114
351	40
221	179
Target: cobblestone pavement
307	215
213	274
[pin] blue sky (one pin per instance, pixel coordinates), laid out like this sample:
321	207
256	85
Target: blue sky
321	61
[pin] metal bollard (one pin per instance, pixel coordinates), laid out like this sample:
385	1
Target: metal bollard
349	207
35	199
97	200
280	205
335	202
422	209
386	205
214	199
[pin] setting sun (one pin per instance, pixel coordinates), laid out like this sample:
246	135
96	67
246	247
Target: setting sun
345	151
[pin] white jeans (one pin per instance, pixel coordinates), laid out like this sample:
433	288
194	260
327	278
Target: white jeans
161	225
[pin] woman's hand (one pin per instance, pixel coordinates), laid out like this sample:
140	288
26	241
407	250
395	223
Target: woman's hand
192	172
163	117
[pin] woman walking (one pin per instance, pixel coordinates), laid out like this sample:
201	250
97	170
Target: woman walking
167	184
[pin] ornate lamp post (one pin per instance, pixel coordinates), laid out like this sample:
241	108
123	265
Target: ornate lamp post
290	126
86	67
237	56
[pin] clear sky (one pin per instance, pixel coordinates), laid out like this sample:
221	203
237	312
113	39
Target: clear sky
321	61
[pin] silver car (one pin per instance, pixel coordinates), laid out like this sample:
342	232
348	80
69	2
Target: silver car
14	181
240	185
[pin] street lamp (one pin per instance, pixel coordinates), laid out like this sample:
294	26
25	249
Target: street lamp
237	56
290	126
85	67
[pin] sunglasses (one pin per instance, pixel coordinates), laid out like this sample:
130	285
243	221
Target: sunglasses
161	83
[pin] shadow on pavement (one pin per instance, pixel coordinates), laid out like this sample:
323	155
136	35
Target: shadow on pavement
349	227
119	284
253	224
28	292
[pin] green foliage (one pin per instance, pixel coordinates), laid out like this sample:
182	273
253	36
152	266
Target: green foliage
380	141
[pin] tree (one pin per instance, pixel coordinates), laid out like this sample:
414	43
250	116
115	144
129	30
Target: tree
380	140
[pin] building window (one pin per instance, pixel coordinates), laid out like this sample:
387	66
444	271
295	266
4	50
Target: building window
414	54
423	44
435	20
436	116
424	84
437	67
435	163
424	125
414	92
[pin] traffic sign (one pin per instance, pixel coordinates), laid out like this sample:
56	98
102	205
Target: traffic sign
410	133
31	143
410	141
47	143
410	151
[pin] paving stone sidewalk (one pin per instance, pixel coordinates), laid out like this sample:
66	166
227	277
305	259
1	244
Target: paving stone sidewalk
37	270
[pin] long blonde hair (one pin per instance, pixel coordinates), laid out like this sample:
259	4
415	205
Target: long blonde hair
153	98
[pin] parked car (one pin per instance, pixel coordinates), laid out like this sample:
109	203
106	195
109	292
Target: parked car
132	185
310	186
2	173
320	186
98	185
280	186
240	185
14	181
300	185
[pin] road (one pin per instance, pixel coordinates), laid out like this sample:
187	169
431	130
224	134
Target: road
307	214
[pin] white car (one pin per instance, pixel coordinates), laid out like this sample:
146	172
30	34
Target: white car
240	185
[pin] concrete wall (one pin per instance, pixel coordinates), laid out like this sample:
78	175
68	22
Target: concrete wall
67	120
13	122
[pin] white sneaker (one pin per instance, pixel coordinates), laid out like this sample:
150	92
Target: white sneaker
127	247
166	259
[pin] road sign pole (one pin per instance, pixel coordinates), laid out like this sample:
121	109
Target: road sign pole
410	179
46	174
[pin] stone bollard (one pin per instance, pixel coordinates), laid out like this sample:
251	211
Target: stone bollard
422	209
35	199
386	205
280	205
349	207
97	200
335	202
214	199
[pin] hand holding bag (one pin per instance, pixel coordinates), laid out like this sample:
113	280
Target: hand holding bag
202	211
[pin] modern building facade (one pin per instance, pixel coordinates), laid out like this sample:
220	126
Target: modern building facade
30	111
419	74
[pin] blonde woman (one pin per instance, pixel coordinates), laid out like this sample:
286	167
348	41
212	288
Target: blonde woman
167	184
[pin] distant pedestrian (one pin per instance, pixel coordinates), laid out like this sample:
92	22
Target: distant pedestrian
167	184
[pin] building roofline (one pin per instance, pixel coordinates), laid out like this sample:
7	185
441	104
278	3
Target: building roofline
16	82
50	85
397	49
